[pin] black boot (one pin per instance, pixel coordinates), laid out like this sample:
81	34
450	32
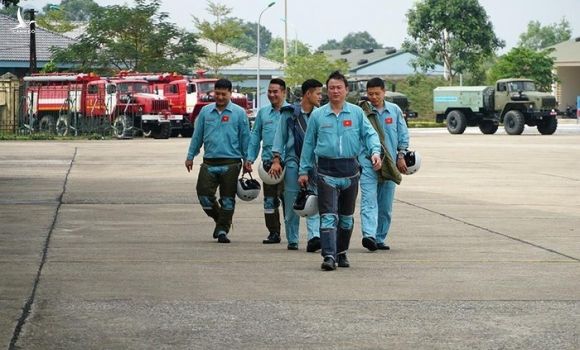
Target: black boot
273	238
342	260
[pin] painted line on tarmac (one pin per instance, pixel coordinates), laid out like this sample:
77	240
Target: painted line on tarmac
30	301
491	231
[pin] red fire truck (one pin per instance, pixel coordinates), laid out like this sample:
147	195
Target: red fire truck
62	103
186	96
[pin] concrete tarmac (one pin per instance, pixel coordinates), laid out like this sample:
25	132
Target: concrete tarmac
103	245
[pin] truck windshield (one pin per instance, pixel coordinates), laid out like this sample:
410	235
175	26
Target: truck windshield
133	88
204	88
516	86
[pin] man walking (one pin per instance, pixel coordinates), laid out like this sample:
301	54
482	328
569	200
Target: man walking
263	132
377	194
222	128
335	135
287	149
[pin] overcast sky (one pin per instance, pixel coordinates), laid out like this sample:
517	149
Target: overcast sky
316	21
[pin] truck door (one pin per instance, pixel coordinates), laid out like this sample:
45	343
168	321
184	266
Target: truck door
501	96
111	97
191	97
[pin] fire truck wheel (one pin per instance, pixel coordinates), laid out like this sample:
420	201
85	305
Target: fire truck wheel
47	124
186	132
62	125
161	131
120	127
146	131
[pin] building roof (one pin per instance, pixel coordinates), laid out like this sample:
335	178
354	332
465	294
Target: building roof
248	65
567	53
15	43
360	57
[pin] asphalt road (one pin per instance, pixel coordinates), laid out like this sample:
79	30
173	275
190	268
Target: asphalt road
103	245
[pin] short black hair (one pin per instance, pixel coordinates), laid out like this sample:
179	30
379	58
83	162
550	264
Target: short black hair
337	75
310	84
376	82
280	82
223	84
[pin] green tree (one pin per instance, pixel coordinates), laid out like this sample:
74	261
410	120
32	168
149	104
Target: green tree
73	10
457	33
316	66
538	37
219	32
331	44
522	62
120	37
9	11
419	89
276	51
9	3
55	20
360	40
248	40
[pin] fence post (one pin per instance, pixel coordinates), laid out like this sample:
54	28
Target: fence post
9	97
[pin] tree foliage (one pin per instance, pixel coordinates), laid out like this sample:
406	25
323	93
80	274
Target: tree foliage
218	32
55	20
522	62
315	66
136	38
9	3
295	48
419	89
457	33
537	37
248	40
73	10
358	40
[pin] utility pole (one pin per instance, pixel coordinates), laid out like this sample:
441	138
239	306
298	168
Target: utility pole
31	18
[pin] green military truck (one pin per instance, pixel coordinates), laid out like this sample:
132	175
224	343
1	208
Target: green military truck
513	102
357	90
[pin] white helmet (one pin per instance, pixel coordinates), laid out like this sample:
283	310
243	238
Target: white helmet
306	203
266	177
248	189
413	162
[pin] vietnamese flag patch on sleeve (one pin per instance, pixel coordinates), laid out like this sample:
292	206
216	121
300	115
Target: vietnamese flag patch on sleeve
389	120
347	123
225	118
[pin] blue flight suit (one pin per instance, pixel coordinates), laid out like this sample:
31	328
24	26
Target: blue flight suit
263	131
377	197
284	146
335	141
225	136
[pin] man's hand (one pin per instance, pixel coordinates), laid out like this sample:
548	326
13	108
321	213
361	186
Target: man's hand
303	180
247	167
401	165
188	165
276	168
376	161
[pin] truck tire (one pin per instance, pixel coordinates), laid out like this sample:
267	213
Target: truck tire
174	132
456	122
62	125
548	126
161	131
186	132
47	124
514	122
488	127
122	128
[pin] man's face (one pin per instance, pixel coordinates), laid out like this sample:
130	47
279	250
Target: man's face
376	95
314	96
222	97
276	94
336	91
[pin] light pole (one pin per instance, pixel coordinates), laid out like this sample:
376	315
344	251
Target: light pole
295	36
258	55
